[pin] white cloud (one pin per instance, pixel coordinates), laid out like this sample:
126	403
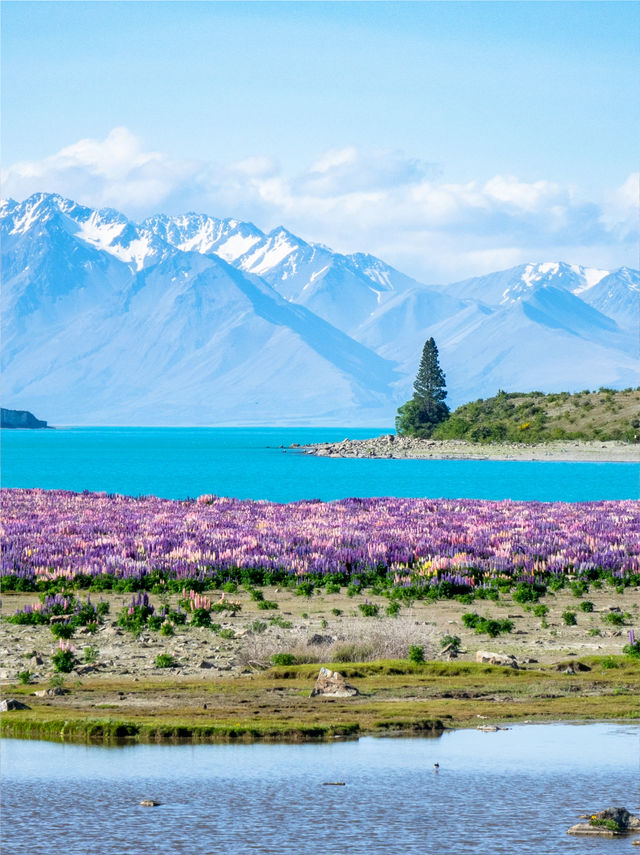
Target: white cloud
352	200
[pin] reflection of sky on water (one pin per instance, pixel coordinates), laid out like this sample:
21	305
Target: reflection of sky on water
542	749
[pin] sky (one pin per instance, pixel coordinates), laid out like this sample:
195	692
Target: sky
450	139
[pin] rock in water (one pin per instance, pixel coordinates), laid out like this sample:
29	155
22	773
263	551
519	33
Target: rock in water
613	816
333	684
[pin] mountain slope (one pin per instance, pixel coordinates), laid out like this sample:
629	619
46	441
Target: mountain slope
187	339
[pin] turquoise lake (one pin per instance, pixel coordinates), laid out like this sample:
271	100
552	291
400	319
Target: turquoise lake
249	463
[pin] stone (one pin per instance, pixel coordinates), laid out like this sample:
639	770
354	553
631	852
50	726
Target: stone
11	704
36	660
332	684
149	803
624	820
505	659
50	693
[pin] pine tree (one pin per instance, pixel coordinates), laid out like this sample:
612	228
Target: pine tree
420	415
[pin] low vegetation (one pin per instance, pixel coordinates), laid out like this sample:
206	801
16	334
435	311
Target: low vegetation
533	417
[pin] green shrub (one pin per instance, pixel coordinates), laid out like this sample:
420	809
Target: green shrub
64	661
90	654
579	588
632	649
369	609
283	659
165	660
353	590
267	605
305	589
569	617
201	617
278	621
24	677
392	609
491	626
416	654
336	612
62	629
609	662
167	629
614	618
230	587
227	633
525	593
258	627
332	588
586	606
540	610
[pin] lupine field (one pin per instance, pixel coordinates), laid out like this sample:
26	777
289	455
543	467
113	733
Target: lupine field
53	540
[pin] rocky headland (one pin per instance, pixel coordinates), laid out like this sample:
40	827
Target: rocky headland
20	419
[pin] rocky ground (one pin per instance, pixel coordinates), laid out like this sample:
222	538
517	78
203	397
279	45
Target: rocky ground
323	628
393	446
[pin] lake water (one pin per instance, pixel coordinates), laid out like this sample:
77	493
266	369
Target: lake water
248	463
492	795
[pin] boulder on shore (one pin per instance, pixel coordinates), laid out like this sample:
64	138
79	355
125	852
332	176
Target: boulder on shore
505	659
332	684
12	704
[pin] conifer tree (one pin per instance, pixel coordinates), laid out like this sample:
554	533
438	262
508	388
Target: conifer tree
420	415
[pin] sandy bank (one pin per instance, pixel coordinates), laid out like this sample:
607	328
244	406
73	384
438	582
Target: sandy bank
390	446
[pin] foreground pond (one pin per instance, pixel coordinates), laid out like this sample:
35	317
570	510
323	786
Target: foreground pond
514	791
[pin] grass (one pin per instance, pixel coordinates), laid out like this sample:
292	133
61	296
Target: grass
395	696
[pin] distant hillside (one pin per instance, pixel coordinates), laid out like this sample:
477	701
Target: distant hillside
20	419
536	417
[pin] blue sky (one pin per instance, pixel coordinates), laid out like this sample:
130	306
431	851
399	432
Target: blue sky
450	138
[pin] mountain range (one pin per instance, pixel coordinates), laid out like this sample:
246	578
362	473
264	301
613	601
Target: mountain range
196	320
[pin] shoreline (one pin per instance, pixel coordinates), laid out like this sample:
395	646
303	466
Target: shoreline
394	447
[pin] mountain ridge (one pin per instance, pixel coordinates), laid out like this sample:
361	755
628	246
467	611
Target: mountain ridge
192	317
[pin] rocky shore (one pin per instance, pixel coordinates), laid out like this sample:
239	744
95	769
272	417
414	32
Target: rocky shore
391	446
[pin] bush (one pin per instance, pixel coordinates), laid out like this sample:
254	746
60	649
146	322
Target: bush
525	593
283	659
369	609
267	605
493	627
332	588
62	630
336	612
24	677
579	588
540	610
227	633
63	659
201	617
392	609
90	654
165	660
416	654
569	617
614	618
632	649
305	589
586	606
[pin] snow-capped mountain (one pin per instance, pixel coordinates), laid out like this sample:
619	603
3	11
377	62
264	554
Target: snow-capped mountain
342	289
195	320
